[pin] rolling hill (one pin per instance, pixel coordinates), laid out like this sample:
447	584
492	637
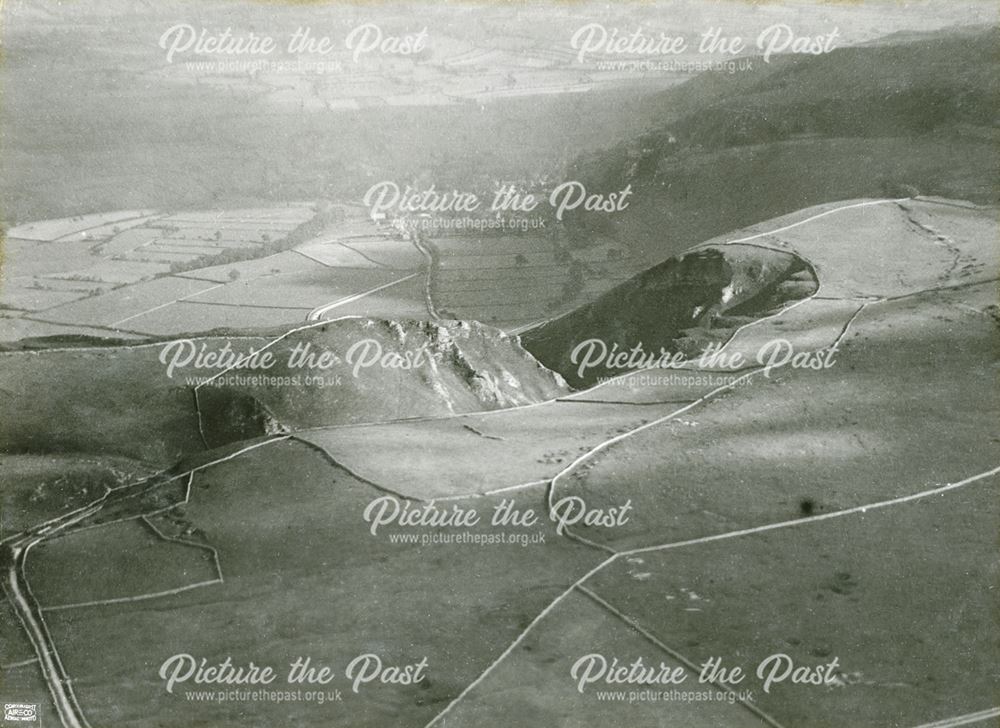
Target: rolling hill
896	119
844	489
83	398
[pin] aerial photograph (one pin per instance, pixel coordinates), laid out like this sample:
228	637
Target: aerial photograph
515	363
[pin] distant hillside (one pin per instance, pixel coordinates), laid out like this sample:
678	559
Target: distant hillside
909	88
890	120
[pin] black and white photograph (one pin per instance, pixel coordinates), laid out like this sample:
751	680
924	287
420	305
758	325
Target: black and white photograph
515	363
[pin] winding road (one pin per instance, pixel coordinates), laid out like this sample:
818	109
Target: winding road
18	592
13	556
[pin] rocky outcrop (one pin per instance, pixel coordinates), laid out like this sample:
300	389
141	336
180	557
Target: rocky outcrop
161	400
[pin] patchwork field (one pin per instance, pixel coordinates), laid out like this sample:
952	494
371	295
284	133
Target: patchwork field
138	279
475	277
100	271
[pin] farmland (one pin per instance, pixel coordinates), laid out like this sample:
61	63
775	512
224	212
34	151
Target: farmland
163	276
808	471
102	271
524	469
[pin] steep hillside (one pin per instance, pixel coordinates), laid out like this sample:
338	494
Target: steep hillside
155	403
681	305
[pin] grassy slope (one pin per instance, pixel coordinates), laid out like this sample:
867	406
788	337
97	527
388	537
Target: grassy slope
286	596
304	577
82	400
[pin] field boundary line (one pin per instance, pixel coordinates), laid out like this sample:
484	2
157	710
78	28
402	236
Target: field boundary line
19	663
168	303
320	310
136	598
967	719
93	506
852	206
863	509
510	648
718	537
596	598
